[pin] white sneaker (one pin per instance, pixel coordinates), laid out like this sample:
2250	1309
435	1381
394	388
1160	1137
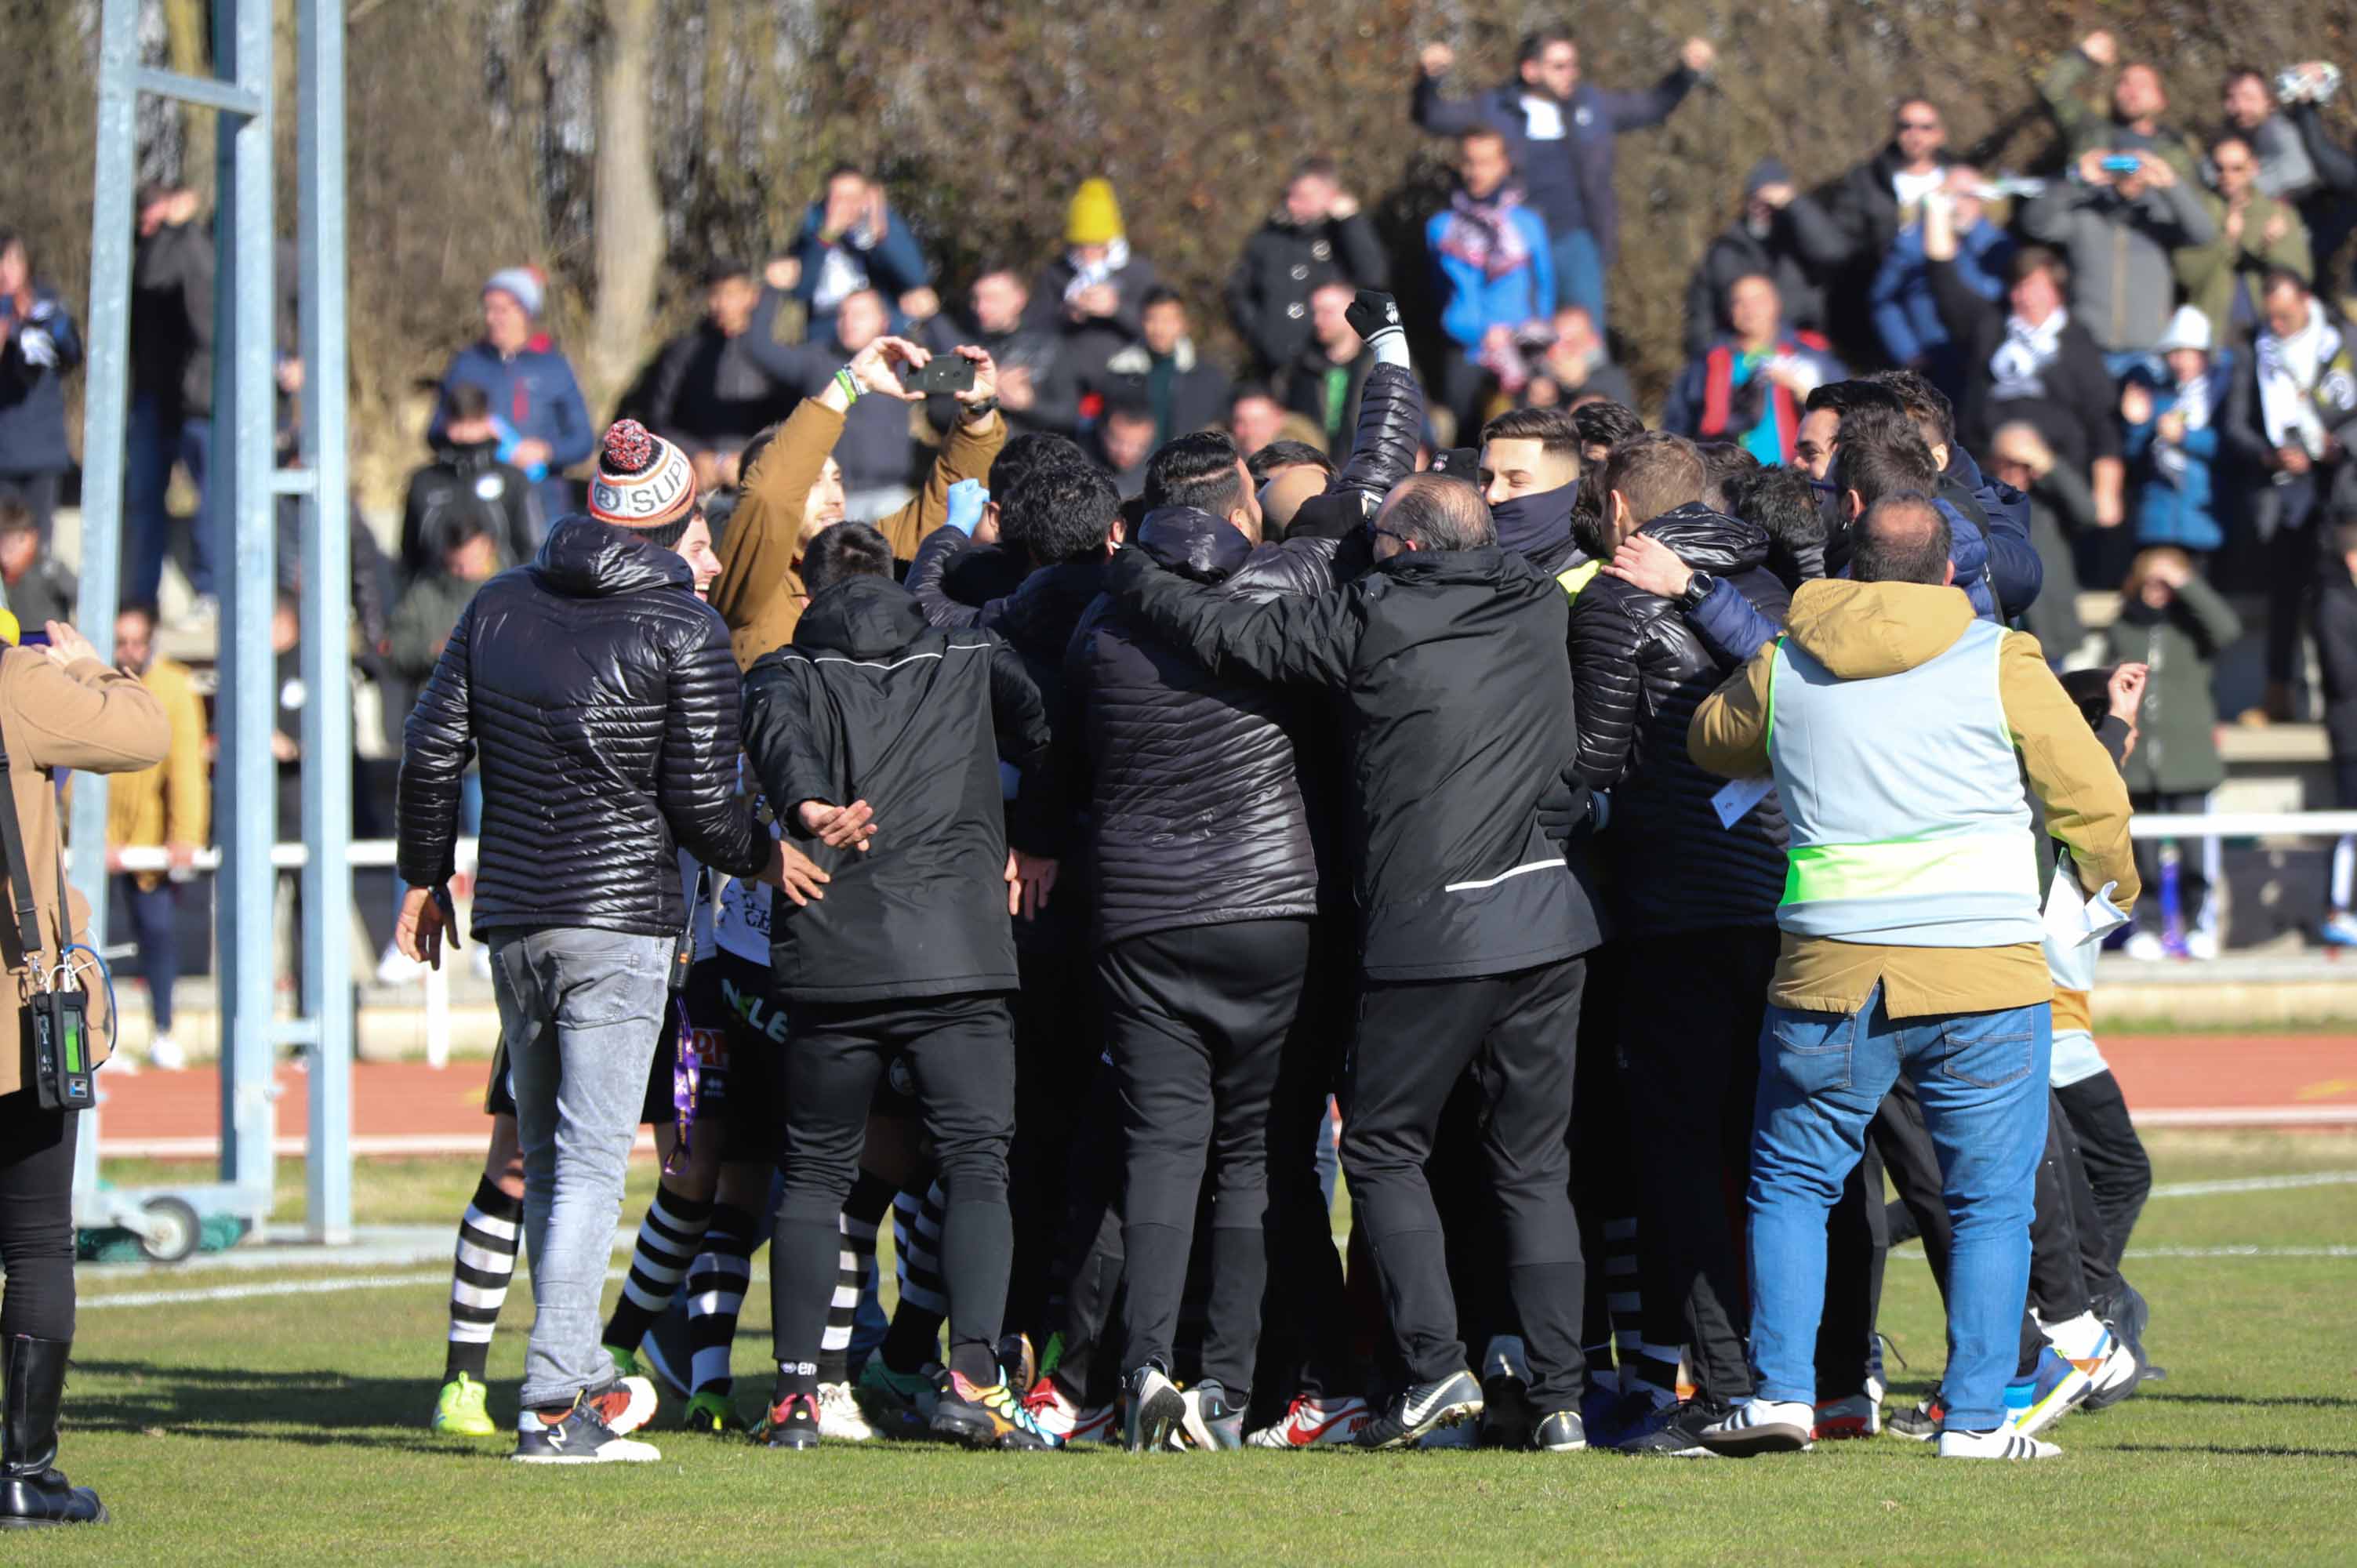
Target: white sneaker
2003	1443
2201	945
1311	1422
839	1415
1763	1426
164	1052
2146	947
394	967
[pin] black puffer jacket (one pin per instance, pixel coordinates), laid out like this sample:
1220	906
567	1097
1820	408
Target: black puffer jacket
1382	452
1197	810
1450	759
1039	620
1642	671
869	703
601	696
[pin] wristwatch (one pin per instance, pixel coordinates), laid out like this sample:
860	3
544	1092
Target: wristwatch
1698	587
970	411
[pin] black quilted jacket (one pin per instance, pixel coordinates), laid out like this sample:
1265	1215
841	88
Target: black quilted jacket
1641	672
601	696
1197	808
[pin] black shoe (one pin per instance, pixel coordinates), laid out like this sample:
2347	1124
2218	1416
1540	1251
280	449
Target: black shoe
33	1493
1422	1408
1507	1416
792	1423
1212	1424
580	1438
1674	1432
1153	1412
1562	1433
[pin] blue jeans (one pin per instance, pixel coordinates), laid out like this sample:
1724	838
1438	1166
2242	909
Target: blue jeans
1579	274
154	442
1982	1079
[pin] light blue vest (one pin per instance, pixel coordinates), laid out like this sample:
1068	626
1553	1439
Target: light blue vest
1904	796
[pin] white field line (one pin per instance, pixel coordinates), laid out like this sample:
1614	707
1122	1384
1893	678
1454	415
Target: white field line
342	1284
2254	1183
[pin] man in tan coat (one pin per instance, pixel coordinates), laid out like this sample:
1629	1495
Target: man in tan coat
59	709
792	490
167	807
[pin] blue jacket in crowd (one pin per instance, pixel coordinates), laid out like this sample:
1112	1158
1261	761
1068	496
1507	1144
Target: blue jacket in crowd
893	264
535	397
32	397
1478	302
2177	504
1907	313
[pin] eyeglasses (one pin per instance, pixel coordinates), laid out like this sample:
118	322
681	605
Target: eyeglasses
1919	124
1393	533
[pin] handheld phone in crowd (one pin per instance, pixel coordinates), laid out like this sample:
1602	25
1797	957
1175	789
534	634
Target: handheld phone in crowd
943	373
61	1066
2122	163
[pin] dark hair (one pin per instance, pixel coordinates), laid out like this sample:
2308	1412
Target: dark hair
1926	404
720	269
1025	455
1740	279
463	526
1723	462
1317	165
1657	472
1882	453
1842	396
1784	502
1000	266
2039	259
469	399
1606	423
1197	470
845	551
1127	404
2090	690
16	516
2235	73
142	608
1554	430
1059	512
1284	454
1161	294
1438	513
2275	278
1902	538
751	454
668	535
1245	392
1535	42
2221	139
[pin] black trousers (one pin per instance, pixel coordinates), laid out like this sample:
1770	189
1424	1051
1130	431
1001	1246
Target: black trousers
37	1230
2118	1173
1690	1046
1516	1032
1057	1043
961	1051
1195	1022
1306	1342
1091	1258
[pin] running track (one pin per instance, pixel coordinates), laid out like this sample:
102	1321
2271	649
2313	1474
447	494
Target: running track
409	1108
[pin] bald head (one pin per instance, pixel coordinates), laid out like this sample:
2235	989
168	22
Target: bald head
1432	512
1902	538
1286	489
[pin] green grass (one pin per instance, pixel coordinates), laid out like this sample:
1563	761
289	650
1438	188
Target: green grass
262	1431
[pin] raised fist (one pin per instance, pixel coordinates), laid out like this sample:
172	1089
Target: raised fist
1372	311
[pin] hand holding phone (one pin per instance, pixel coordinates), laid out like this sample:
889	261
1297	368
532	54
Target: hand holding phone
943	373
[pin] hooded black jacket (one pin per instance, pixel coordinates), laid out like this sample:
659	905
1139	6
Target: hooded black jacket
1642	671
601	697
1196	805
1448	760
870	704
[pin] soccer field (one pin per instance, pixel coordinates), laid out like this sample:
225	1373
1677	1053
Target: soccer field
289	1428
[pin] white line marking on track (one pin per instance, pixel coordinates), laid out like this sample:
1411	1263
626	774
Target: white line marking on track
2254	1183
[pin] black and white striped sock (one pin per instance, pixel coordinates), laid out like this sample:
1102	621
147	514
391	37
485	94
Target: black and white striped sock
716	1294
669	1238
485	1267
915	1339
863	1213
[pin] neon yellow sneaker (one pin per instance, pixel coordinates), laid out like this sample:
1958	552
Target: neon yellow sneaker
626	1362
459	1411
714	1412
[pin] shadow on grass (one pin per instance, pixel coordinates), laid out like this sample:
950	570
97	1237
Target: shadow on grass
318	1406
2283	1401
2259	1451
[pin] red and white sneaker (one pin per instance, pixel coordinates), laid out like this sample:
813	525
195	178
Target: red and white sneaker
1857	1416
1315	1422
1061	1415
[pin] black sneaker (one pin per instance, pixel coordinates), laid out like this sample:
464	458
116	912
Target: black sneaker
1507	1415
792	1423
1674	1432
1562	1433
1922	1424
580	1436
1153	1412
1421	1408
1210	1423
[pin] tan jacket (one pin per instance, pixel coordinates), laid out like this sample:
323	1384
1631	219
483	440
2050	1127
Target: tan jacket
1863	629
91	718
172	802
759	590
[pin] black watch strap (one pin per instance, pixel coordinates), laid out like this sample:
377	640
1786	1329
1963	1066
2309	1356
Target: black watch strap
1698	587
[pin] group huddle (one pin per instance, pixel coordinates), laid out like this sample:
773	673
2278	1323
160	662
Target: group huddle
1637	849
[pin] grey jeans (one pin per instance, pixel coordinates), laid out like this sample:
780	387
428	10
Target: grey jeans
580	1012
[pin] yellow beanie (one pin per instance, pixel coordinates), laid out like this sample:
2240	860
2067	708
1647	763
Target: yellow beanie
1094	217
10	632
